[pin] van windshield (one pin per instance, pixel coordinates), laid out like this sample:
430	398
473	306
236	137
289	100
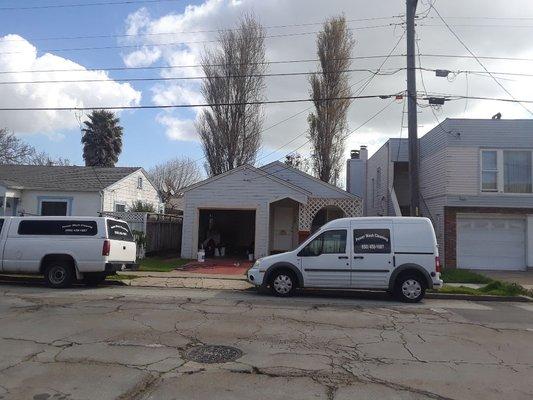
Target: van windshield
119	230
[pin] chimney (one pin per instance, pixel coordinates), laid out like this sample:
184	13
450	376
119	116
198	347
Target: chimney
356	172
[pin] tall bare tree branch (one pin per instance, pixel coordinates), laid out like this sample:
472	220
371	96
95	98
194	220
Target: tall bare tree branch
328	123
231	135
172	176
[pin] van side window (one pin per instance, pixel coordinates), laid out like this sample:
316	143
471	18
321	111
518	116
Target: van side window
57	227
371	241
329	242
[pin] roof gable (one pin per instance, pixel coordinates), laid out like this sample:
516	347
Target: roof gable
62	178
303	180
251	168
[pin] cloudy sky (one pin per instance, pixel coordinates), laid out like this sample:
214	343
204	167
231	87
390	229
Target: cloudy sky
164	33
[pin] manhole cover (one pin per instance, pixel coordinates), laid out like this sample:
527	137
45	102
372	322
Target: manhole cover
213	354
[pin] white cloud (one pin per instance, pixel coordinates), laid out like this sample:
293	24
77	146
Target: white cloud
217	14
17	54
177	128
142	58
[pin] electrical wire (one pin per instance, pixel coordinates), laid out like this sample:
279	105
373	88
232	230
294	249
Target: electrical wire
478	60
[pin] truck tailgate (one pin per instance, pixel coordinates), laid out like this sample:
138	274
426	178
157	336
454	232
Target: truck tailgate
122	251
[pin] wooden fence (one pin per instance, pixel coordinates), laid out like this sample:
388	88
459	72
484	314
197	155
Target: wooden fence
162	231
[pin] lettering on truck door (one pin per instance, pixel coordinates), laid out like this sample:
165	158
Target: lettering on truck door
372	259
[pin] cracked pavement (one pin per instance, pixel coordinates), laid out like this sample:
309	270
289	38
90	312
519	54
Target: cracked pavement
130	343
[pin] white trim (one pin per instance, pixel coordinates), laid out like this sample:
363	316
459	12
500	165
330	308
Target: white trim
500	173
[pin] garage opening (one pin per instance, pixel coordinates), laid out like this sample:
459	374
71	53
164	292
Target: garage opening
227	233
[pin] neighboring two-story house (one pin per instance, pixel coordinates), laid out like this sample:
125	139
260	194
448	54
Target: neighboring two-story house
73	190
476	184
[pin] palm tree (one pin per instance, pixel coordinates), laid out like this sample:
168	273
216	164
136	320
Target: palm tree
102	139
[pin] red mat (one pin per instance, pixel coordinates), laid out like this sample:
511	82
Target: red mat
214	266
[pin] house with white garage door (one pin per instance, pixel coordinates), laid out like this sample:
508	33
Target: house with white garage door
476	184
259	211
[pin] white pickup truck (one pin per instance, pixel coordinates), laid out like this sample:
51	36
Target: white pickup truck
65	249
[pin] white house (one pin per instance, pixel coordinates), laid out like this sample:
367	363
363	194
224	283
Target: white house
260	210
476	185
73	190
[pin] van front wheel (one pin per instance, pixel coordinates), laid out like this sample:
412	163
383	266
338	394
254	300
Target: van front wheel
283	283
410	289
59	275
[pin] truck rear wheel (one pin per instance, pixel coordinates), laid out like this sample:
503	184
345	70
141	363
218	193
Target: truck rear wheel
94	278
59	275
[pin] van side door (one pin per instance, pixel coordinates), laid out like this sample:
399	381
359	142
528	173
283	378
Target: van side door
325	260
372	258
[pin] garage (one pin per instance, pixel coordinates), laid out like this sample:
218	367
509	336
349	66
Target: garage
227	232
491	242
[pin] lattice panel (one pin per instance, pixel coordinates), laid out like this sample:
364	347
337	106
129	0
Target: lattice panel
352	207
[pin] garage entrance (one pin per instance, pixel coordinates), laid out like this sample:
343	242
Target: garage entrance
227	233
491	242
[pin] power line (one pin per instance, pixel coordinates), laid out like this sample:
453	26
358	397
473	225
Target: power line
140	107
477	59
136	35
275	62
280	74
103	3
129	46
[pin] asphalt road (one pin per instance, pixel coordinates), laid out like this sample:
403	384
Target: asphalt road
134	343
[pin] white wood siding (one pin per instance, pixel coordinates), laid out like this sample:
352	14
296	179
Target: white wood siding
463	170
242	189
378	188
125	191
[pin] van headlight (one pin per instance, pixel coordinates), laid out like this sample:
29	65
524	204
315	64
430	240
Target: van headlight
256	264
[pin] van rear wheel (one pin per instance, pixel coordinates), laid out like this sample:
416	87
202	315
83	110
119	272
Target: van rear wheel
410	288
59	275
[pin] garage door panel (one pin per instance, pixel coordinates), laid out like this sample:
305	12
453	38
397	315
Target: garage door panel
490	243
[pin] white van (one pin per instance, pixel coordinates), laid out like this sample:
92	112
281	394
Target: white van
397	254
65	248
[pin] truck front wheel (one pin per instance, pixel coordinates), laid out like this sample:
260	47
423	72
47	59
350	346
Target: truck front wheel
59	275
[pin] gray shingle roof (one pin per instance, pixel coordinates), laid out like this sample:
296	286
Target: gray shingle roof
71	178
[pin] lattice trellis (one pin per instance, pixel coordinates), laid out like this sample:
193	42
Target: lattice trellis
352	207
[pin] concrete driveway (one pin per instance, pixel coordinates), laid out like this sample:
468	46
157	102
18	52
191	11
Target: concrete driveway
134	343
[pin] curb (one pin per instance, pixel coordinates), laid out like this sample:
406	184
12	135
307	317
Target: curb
469	297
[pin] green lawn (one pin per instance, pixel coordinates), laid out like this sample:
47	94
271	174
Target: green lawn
455	275
120	277
161	264
494	288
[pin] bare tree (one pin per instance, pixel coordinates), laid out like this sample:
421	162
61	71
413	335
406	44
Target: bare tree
172	176
295	160
327	124
231	134
14	151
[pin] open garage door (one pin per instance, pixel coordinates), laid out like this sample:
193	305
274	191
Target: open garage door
228	233
491	242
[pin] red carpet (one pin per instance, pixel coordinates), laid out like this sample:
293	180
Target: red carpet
218	266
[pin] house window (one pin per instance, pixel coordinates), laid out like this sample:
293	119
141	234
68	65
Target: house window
507	171
139	182
120	207
54	207
489	171
517	171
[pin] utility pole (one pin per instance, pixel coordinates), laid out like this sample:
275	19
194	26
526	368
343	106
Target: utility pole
412	122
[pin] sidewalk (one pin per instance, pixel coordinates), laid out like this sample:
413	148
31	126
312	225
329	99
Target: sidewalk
189	280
